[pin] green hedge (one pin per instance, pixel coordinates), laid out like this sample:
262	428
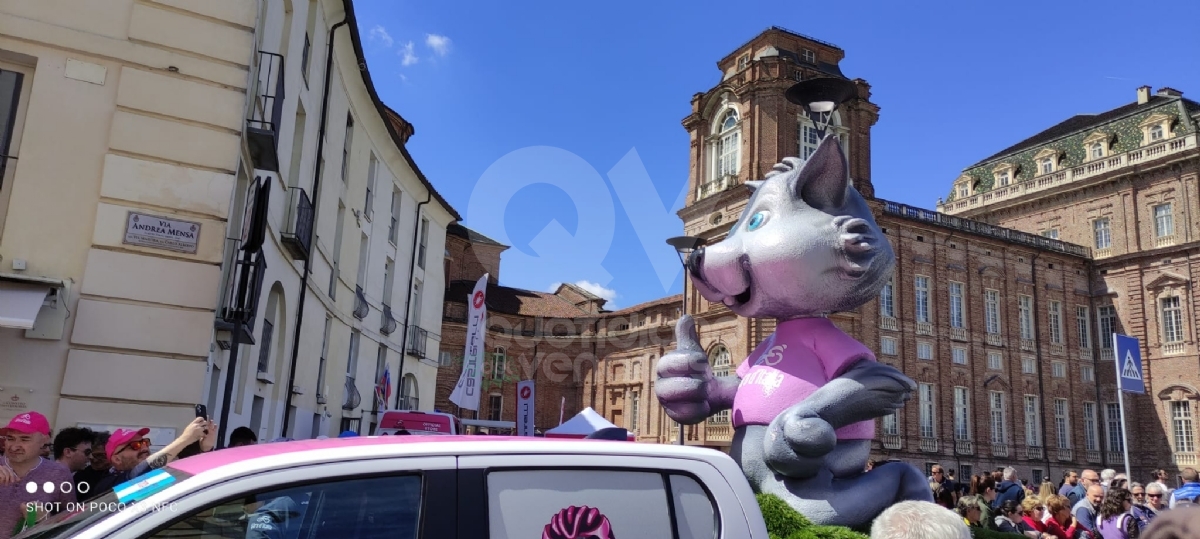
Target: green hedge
783	522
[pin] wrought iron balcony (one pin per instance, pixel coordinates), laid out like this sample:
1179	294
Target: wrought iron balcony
352	398
262	127
242	293
389	321
297	229
361	307
985	229
417	338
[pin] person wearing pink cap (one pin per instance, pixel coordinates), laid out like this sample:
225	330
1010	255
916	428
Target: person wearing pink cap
25	474
129	451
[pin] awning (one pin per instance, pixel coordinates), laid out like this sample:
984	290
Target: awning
20	303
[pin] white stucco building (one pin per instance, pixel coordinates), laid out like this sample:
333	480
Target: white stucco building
377	229
131	133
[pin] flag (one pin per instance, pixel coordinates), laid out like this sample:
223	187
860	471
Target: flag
526	426
470	383
383	388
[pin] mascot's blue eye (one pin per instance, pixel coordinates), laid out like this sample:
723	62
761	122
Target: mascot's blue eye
757	220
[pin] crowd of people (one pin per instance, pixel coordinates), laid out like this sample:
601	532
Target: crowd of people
1084	505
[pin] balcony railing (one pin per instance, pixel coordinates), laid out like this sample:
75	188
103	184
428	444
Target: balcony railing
1065	455
716	186
719	433
929	445
1058	349
995	339
999	449
244	289
297	229
1164	241
964	447
1092	456
389	321
924	328
1085	354
361	307
352	398
262	127
1027	345
888	323
985	229
958	334
1106	354
892	441
1184	459
417	338
1032	453
1075	174
1172	348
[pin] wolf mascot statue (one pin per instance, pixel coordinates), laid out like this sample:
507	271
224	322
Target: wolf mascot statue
804	402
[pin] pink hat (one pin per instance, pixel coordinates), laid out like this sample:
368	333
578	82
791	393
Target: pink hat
28	423
121	437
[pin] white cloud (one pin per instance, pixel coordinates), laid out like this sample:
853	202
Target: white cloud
379	33
409	57
403	77
439	44
606	293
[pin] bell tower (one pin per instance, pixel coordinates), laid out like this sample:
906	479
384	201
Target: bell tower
744	125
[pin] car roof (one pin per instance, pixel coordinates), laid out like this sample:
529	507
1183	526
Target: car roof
301	452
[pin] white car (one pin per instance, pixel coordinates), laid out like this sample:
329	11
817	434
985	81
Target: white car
402	487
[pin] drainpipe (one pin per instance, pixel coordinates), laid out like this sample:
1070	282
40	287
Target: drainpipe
1098	418
1037	347
316	196
412	276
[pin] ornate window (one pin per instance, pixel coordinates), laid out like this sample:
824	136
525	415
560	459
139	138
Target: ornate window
1164	221
1047	161
1025	304
887	307
1004	174
962	413
1183	430
921	283
991	311
1102	231
1062	423
807	138
1097	146
1056	325
956	305
996	410
1083	326
1155	128
728	145
1033	422
928	408
1171	314
721	364
1106	318
1091	441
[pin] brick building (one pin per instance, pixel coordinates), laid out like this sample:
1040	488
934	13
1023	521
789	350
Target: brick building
999	325
1123	182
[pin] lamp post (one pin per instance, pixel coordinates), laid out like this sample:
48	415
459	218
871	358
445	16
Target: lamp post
684	246
820	97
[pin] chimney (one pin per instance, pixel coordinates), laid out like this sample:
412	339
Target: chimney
1169	92
1143	95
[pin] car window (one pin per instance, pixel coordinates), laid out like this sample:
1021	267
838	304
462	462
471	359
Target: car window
694	510
608	504
367	508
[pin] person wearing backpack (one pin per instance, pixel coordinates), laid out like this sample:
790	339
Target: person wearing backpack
1114	520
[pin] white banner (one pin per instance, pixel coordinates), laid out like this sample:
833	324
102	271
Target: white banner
525	422
466	392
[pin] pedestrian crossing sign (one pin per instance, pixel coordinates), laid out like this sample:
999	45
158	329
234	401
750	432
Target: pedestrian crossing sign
1129	364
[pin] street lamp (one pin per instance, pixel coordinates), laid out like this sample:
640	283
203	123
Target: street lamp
684	246
820	97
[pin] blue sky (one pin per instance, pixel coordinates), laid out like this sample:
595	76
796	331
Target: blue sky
534	103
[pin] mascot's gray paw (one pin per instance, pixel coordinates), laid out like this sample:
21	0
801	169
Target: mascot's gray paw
850	501
796	446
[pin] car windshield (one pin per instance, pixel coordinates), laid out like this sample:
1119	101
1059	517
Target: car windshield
85	514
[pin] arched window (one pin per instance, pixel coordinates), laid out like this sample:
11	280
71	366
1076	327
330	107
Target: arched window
409	396
727	148
807	138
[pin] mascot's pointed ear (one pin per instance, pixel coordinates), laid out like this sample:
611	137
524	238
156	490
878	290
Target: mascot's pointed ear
824	182
754	185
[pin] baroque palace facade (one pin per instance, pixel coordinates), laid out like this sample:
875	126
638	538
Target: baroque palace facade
1006	329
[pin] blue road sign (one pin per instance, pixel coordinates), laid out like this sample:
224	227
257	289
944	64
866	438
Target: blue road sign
1129	364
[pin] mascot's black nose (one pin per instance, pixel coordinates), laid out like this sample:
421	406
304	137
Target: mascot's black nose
694	261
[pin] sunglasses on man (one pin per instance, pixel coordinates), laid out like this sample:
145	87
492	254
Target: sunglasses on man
136	445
